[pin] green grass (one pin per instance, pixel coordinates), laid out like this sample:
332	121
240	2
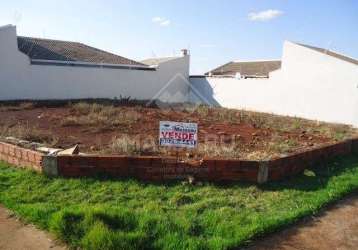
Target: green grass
126	214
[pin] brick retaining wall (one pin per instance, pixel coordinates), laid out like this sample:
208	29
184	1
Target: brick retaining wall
167	168
21	157
156	168
296	163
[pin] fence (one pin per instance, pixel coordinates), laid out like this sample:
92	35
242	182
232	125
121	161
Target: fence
160	169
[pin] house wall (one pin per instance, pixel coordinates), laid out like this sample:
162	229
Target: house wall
19	79
310	85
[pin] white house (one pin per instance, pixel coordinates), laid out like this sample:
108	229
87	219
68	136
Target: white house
32	68
307	82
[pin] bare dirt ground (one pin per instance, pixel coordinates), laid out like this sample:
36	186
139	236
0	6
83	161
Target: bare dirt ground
334	228
223	133
16	236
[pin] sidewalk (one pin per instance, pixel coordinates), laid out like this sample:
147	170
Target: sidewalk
334	228
16	236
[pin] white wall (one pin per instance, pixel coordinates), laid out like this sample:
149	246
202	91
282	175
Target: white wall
310	85
19	79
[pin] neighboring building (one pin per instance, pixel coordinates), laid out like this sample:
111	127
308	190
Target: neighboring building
33	68
246	69
312	82
42	51
307	82
157	60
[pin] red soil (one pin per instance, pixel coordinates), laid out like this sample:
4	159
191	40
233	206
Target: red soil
250	138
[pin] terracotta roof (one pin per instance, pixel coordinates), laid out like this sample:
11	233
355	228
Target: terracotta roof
55	50
331	53
247	69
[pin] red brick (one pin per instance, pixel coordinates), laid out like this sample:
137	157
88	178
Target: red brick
11	150
6	149
156	168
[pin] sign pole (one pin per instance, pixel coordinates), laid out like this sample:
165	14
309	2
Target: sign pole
177	148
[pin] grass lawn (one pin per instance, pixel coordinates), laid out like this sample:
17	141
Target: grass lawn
126	214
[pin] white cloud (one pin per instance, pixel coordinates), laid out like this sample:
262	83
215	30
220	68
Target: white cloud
165	23
161	21
157	19
265	15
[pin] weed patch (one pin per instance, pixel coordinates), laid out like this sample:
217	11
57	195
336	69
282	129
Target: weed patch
107	127
85	114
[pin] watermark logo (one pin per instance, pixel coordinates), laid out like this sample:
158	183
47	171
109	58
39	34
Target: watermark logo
178	94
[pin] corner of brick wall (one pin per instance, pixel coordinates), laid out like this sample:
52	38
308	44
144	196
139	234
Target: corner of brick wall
297	163
21	157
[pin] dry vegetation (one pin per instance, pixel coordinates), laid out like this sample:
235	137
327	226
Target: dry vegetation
28	133
84	114
110	129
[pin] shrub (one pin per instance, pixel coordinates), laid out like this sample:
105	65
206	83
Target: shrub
101	116
26	106
219	150
27	132
125	145
82	108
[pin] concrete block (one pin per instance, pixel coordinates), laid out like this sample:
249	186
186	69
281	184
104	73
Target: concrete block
354	146
262	174
50	166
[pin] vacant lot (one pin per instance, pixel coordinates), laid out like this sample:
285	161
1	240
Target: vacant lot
223	133
126	214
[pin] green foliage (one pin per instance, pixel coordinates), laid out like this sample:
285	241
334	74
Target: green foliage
308	172
181	199
66	224
126	214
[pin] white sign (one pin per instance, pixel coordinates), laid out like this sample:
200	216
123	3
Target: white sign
178	134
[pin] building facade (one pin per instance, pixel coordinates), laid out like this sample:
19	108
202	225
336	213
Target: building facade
307	82
47	69
311	83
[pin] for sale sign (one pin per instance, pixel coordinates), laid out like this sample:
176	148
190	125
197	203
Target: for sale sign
178	134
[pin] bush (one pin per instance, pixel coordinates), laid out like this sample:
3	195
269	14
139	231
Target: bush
100	116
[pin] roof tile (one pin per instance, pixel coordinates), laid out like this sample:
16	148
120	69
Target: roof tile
46	49
247	69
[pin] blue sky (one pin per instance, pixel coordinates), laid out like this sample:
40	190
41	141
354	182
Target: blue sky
215	31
